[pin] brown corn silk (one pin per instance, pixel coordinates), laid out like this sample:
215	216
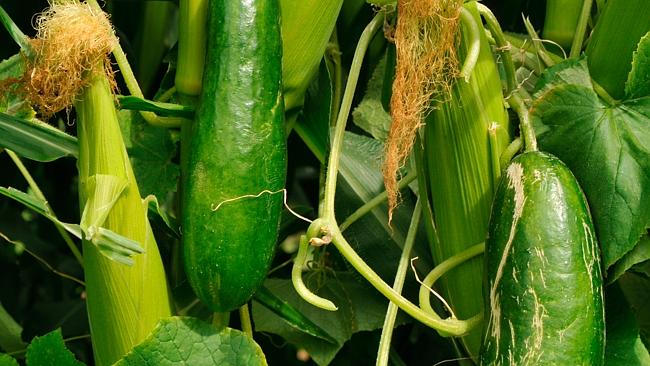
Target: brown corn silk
426	37
72	38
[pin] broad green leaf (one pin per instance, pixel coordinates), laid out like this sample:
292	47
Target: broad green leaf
370	114
361	308
624	346
50	350
189	341
160	108
606	148
292	316
10	332
35	140
639	254
306	29
6	360
151	150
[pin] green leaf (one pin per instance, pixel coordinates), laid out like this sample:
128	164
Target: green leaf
606	148
10	332
35	140
189	341
639	254
151	150
15	32
636	287
361	308
6	360
638	80
50	350
171	224
292	316
624	346
370	115
160	108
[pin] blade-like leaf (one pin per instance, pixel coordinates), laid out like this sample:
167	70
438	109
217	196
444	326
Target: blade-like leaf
606	147
18	36
35	140
160	108
189	341
102	192
10	332
292	316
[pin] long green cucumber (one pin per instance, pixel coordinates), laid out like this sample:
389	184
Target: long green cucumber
232	196
544	282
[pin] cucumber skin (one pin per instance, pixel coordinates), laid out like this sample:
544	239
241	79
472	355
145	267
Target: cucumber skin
238	148
554	301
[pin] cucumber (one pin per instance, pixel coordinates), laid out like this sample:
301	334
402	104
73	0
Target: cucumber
237	160
544	281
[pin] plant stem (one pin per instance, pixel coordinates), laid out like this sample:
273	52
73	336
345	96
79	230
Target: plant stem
450	326
245	318
510	152
39	194
192	34
526	127
581	29
346	104
220	320
400	276
374	202
334	54
444	267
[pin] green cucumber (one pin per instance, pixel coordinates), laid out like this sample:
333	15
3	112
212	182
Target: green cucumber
232	192
544	281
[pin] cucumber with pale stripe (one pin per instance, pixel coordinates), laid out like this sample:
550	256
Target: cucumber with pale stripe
544	286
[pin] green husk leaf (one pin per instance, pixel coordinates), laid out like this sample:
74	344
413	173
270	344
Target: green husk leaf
152	205
604	146
10	332
306	29
50	350
160	108
189	341
102	192
35	140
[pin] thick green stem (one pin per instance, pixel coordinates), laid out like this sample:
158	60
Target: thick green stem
245	318
39	194
526	126
400	276
346	104
192	35
581	29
